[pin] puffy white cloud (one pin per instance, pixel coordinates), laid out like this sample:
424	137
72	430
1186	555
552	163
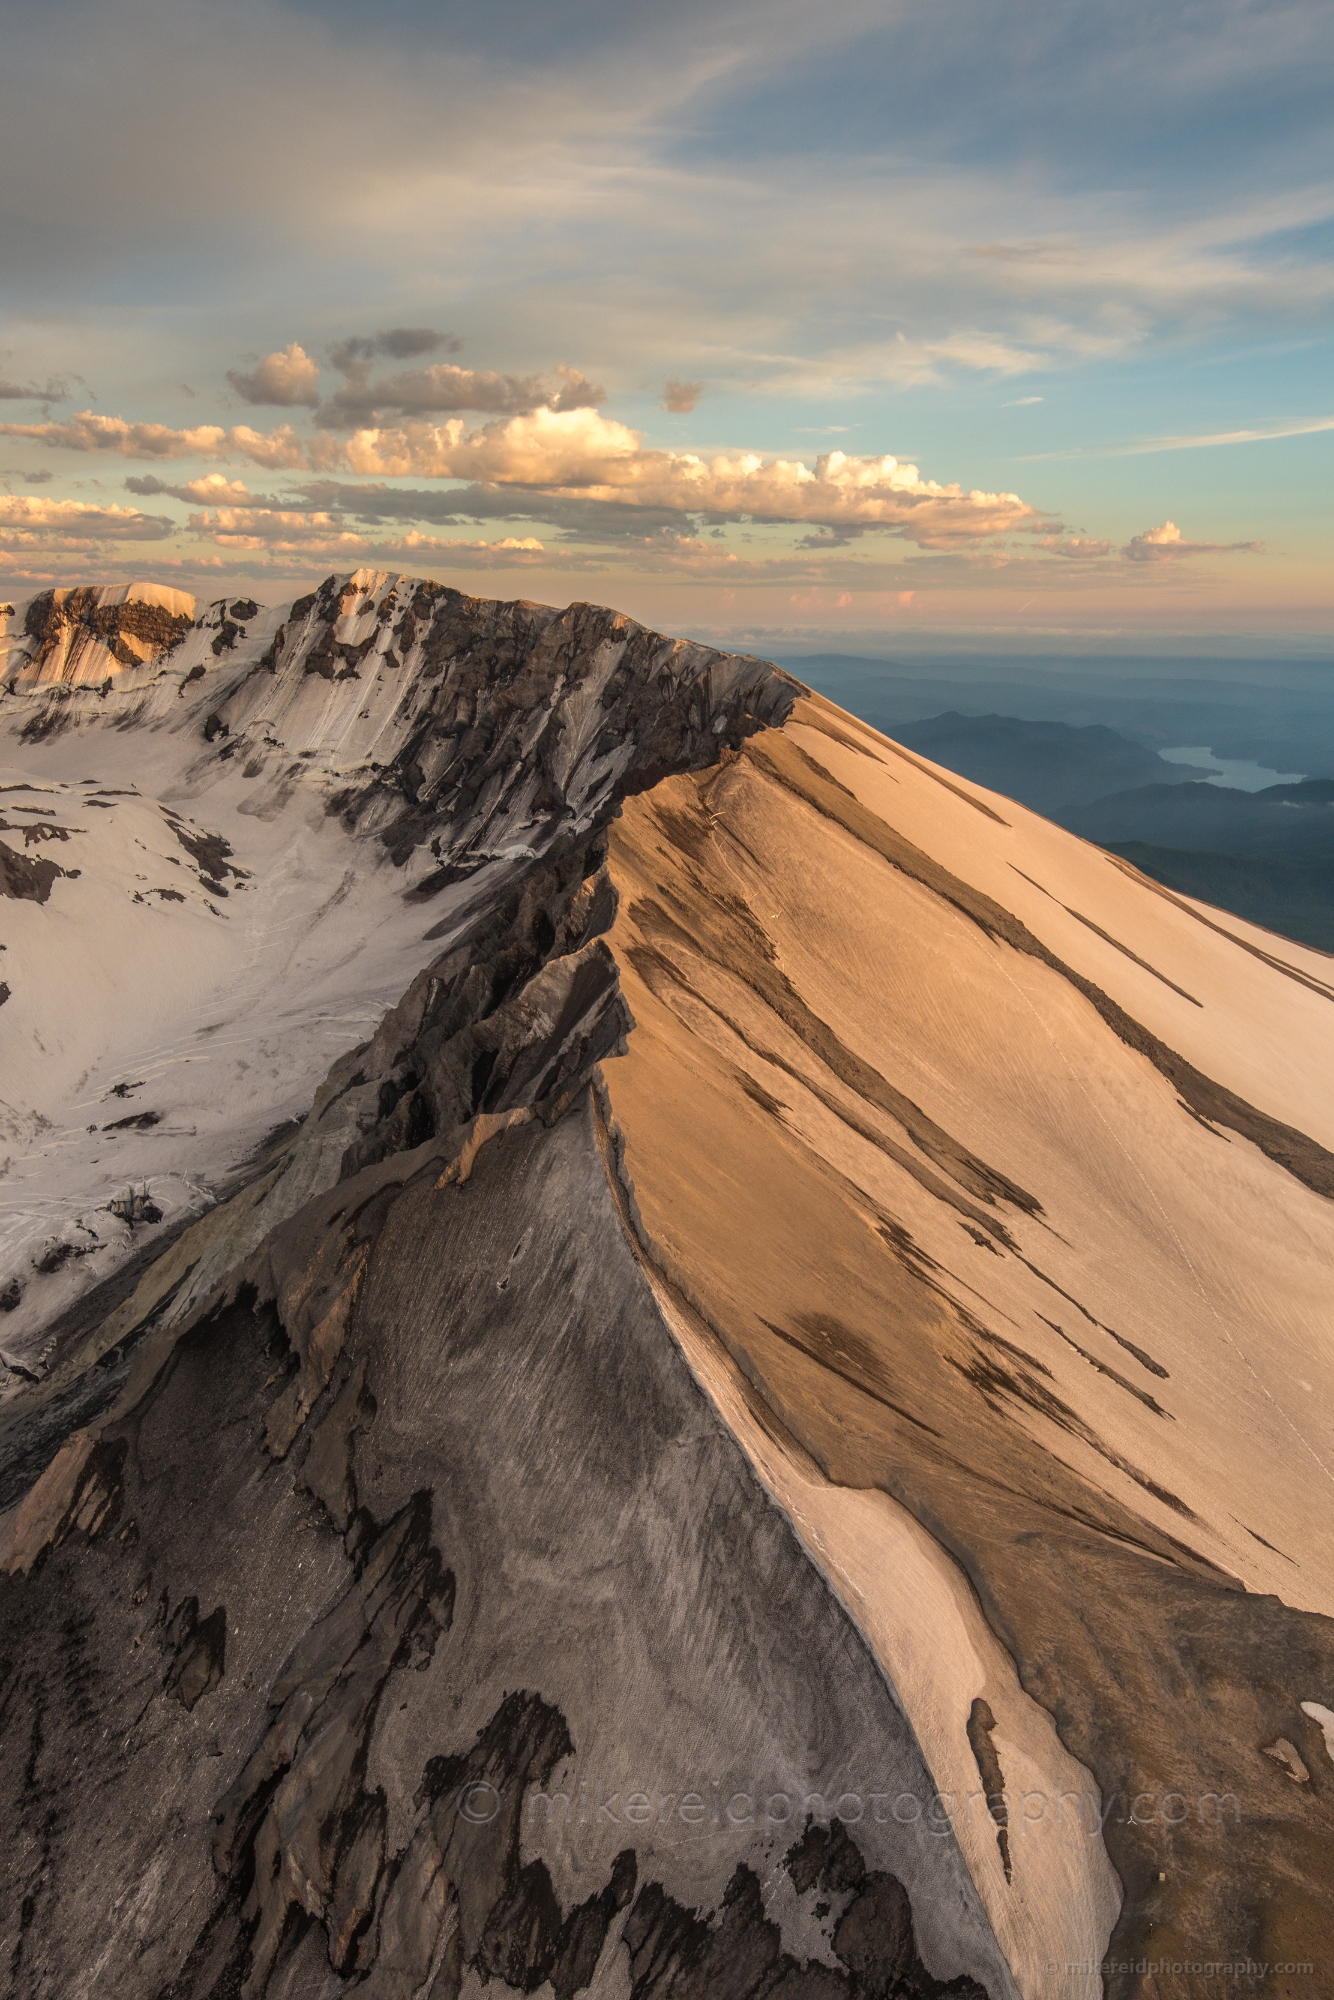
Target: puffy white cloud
579	453
89	431
276	451
277	528
1166	544
287	378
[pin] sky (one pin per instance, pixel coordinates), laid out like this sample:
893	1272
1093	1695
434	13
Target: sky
873	325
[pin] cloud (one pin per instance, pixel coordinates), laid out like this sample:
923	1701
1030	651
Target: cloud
1303	427
287	378
1076	546
273	533
647	140
1262	434
20	392
681	397
278	529
581	454
1021	403
88	431
550	462
576	519
444	388
1165	544
395	343
213	489
27	521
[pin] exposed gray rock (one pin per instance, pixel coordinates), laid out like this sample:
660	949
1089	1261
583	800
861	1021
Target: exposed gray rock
577	1589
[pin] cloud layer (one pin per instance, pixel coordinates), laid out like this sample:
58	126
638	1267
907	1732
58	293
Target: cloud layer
579	454
28	523
936	237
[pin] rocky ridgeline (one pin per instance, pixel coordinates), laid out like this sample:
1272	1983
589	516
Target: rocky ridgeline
316	1529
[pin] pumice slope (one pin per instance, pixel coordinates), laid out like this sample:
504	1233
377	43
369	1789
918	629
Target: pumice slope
712	1382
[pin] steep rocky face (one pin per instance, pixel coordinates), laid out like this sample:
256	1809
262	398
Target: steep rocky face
727	1452
512	1670
262	839
499	727
78	636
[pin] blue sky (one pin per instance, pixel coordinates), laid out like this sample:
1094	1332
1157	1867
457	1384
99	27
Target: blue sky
1039	255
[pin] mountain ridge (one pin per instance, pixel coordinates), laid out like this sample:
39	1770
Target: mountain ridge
790	1176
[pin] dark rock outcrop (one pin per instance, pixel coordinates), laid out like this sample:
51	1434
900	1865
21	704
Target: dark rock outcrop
24	880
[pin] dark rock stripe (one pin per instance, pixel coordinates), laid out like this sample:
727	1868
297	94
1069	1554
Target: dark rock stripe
1301	1156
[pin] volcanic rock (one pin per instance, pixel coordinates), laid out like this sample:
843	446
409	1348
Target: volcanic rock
724	1396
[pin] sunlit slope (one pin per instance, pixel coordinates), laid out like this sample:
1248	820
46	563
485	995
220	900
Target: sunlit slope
994	1179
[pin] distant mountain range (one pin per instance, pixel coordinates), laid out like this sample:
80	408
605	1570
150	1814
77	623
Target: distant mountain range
1295	821
1278	712
1051	766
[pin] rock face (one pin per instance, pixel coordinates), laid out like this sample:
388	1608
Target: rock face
743	1443
265	833
82	638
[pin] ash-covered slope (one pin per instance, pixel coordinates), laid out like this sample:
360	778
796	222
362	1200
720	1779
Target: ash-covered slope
765	1433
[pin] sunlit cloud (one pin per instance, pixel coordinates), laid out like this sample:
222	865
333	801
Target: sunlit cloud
582	453
90	432
213	488
1167	544
274	533
288	378
26	521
